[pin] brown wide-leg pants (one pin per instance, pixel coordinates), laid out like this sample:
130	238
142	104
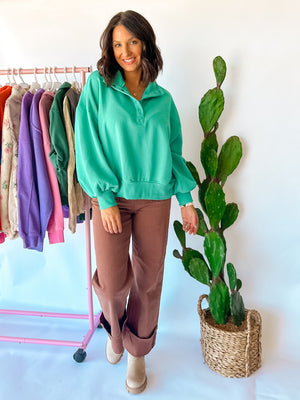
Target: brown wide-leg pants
131	321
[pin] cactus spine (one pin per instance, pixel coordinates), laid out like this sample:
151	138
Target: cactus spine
224	299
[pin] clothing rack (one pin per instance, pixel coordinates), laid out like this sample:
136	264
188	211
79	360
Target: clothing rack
80	354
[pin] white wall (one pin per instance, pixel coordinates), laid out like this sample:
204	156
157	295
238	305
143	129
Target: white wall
259	41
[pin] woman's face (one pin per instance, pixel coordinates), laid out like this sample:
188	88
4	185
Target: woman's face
127	49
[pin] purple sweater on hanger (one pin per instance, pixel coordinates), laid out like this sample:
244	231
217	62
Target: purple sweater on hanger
28	207
35	200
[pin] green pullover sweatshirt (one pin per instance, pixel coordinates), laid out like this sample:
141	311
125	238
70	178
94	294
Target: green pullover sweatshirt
129	148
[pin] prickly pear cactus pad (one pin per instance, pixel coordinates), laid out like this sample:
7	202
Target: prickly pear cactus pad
215	215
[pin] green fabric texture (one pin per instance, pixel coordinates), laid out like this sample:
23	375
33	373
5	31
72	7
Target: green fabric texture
129	148
59	154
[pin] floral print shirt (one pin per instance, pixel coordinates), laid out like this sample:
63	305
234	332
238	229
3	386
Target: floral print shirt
9	162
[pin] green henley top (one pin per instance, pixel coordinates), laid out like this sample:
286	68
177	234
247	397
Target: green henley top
129	148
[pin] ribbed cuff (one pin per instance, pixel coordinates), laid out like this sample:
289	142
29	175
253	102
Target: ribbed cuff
56	237
33	242
106	200
184	198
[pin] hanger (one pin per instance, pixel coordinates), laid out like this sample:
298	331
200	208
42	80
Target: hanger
9	83
13	77
50	79
47	85
22	84
55	84
75	83
65	70
35	85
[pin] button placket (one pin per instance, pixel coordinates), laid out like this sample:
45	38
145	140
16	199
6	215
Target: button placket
140	112
138	106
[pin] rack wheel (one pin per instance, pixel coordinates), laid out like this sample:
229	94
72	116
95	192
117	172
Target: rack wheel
79	355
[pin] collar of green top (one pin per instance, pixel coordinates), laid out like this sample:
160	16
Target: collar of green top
152	90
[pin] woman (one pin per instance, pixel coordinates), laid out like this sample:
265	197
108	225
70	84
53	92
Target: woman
128	157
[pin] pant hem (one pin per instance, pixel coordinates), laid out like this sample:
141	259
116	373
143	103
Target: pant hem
136	345
116	341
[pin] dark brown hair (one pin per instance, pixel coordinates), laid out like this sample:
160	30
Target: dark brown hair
136	24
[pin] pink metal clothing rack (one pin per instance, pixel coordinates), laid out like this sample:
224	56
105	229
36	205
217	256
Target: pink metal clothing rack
80	354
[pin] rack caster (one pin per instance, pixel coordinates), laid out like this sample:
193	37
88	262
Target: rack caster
79	355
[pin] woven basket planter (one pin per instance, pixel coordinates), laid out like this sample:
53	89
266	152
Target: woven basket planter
236	353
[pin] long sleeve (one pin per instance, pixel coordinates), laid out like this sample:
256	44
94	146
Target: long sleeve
94	173
5	92
9	162
75	192
6	165
28	206
55	226
184	181
59	154
44	192
13	198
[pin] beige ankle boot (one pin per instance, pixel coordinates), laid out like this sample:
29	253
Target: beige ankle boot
111	356
136	379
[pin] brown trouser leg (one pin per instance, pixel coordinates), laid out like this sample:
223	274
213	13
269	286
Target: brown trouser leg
131	324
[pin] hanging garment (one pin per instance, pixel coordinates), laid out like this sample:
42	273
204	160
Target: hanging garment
75	192
35	201
5	92
59	154
28	207
43	184
9	162
56	222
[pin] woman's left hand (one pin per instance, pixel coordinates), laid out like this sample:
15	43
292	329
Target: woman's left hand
189	219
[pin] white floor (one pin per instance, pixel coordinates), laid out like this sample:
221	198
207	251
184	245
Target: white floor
175	367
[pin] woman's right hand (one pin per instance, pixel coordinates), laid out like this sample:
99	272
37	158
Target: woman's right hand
111	219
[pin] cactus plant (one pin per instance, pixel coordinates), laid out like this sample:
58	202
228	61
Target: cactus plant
224	299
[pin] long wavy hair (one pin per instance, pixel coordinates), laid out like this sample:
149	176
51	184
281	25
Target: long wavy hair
137	25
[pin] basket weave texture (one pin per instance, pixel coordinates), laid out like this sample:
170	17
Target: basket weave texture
231	354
